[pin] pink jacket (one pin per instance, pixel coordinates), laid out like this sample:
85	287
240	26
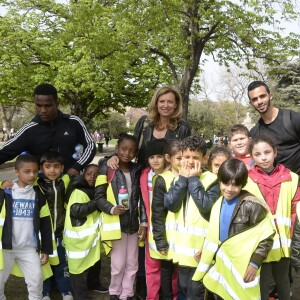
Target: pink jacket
270	184
145	191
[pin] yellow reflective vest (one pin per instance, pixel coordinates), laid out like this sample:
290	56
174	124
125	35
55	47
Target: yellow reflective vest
46	268
190	228
82	243
53	258
110	228
282	218
170	223
223	265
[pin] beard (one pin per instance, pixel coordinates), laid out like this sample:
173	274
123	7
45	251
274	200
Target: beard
265	107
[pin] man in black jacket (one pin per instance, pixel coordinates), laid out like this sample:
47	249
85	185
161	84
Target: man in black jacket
50	129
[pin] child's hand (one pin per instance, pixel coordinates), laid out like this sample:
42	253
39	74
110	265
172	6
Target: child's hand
72	172
113	162
7	184
142	233
197	255
184	169
44	258
250	274
196	170
164	252
119	210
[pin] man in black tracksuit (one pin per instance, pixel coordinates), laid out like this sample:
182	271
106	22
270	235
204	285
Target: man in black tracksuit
50	129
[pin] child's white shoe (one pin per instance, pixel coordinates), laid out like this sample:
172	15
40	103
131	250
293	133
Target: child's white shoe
67	296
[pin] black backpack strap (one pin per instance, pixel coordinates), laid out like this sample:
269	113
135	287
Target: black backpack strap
287	123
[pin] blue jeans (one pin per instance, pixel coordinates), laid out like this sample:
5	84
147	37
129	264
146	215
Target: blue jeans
60	272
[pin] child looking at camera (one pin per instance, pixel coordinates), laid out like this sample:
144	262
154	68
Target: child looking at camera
156	158
278	187
53	185
191	198
26	230
118	194
162	226
238	240
216	157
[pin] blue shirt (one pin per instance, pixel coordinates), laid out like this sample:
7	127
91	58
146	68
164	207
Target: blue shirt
225	217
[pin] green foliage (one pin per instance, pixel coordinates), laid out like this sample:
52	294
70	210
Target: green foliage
104	55
287	90
209	118
114	125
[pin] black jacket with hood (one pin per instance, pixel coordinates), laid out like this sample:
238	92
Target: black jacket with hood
79	211
42	226
56	194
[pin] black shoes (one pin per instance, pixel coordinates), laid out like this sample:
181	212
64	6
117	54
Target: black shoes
100	289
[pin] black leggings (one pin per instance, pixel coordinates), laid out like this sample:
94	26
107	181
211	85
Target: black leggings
280	272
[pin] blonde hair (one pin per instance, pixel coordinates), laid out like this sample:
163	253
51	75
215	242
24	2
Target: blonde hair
154	117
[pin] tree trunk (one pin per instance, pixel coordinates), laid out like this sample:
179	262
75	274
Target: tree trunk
7	115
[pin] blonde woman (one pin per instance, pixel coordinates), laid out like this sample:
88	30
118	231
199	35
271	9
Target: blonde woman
163	122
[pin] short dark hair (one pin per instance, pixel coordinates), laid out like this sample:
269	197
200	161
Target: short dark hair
25	158
173	146
125	136
51	156
90	166
194	143
261	139
258	83
45	89
238	128
216	151
233	169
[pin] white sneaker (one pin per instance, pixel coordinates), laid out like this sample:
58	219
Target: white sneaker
46	298
67	296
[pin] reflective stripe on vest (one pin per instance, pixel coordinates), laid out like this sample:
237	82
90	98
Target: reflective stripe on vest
298	210
225	277
190	228
2	220
84	253
84	233
46	269
110	228
282	239
168	177
53	258
82	243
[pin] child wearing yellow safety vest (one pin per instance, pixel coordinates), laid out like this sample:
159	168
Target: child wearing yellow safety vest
191	198
120	203
295	255
239	238
278	187
25	227
155	153
53	185
82	232
162	227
